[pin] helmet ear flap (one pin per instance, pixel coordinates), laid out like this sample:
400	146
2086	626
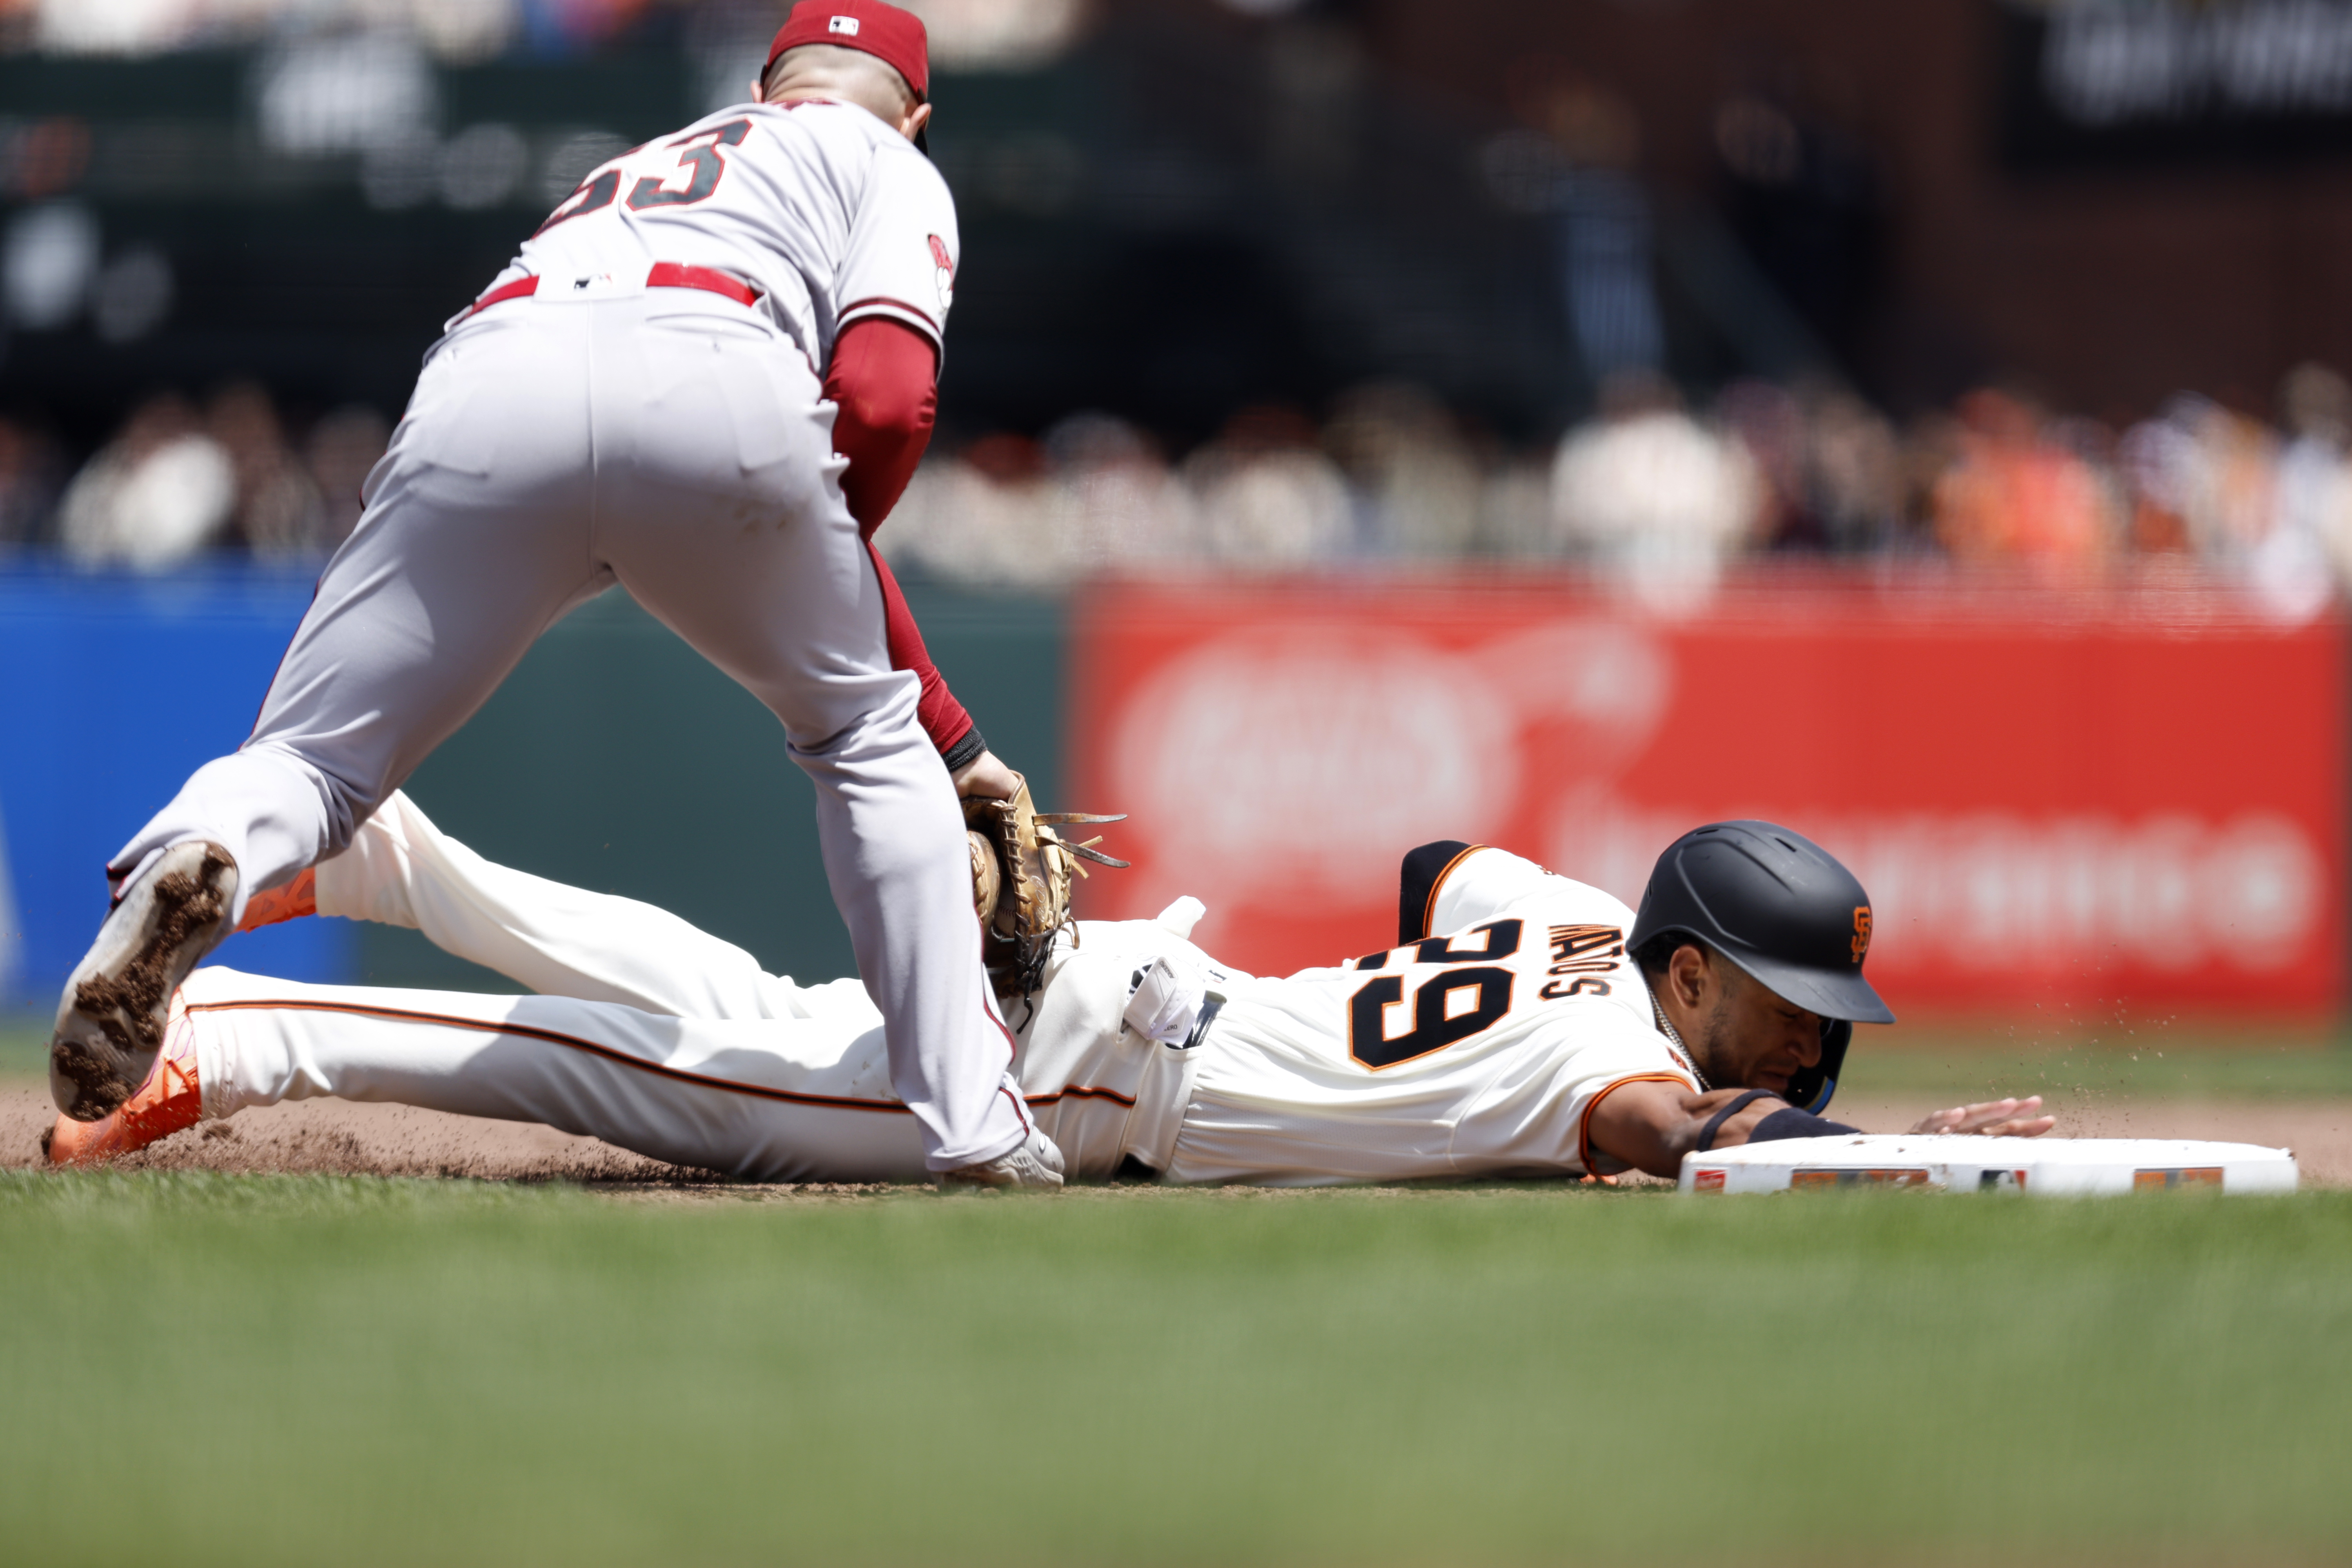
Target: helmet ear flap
1811	1088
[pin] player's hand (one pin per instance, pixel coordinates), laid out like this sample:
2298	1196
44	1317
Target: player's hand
1991	1119
987	777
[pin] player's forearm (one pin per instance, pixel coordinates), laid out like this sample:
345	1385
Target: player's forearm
1649	1124
1652	1125
883	385
942	717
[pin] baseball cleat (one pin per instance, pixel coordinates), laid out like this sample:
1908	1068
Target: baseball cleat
1034	1163
287	901
169	1100
110	1021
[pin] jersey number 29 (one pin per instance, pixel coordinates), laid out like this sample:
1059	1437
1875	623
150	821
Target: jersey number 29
1449	1006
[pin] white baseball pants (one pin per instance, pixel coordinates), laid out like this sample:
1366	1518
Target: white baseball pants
649	1034
679	445
805	1099
658	1038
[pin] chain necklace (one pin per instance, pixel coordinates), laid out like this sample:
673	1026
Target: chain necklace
1681	1050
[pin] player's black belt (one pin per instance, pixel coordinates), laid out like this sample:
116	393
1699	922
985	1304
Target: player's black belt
1211	1003
664	275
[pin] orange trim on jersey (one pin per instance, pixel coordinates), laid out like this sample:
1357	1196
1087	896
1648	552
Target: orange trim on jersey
1584	1124
1429	905
1079	1093
878	301
571	1042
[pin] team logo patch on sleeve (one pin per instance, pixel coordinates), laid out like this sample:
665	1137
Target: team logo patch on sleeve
943	271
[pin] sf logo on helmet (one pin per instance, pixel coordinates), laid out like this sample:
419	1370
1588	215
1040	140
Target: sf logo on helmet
1861	930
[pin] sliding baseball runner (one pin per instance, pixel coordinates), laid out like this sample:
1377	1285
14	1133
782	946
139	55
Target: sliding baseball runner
1512	1031
707	378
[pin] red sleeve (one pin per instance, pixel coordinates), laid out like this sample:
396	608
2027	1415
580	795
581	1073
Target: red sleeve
943	718
884	382
883	385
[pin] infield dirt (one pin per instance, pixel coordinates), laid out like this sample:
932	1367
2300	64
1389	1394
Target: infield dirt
334	1138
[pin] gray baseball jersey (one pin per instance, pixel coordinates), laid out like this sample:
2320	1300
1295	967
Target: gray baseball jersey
830	214
630	419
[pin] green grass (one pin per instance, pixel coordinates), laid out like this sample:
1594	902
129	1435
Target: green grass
296	1370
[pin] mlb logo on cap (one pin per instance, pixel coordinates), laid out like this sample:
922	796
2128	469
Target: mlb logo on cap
871	26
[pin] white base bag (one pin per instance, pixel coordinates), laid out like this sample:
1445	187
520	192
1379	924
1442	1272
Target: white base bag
2047	1167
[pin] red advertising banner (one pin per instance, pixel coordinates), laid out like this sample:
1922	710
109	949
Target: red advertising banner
2096	802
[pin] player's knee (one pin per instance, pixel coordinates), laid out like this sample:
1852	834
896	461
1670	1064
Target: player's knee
885	732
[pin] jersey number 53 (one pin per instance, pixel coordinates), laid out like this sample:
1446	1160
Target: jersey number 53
699	167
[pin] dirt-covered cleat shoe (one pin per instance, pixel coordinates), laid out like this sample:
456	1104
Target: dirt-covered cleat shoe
169	1100
1034	1163
110	1021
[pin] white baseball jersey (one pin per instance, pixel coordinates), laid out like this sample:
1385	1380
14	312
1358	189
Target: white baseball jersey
1481	1052
1478	1052
831	214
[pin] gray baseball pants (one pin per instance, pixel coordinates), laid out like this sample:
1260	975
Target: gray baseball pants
679	445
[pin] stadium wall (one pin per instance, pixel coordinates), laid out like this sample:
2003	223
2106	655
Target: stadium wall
613	758
2094	804
2098	804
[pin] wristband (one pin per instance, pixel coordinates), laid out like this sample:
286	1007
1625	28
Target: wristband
1715	1123
1795	1123
965	750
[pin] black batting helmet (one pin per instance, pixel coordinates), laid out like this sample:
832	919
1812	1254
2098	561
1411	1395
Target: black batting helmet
1782	908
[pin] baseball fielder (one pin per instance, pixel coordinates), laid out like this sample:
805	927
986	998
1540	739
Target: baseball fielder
661	391
1522	1040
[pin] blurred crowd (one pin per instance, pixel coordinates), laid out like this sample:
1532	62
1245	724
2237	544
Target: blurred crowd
181	480
1654	490
466	32
456	30
1666	494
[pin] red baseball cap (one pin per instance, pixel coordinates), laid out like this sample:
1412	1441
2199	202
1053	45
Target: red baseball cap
894	37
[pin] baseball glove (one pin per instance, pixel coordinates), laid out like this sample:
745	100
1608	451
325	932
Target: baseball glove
1021	870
